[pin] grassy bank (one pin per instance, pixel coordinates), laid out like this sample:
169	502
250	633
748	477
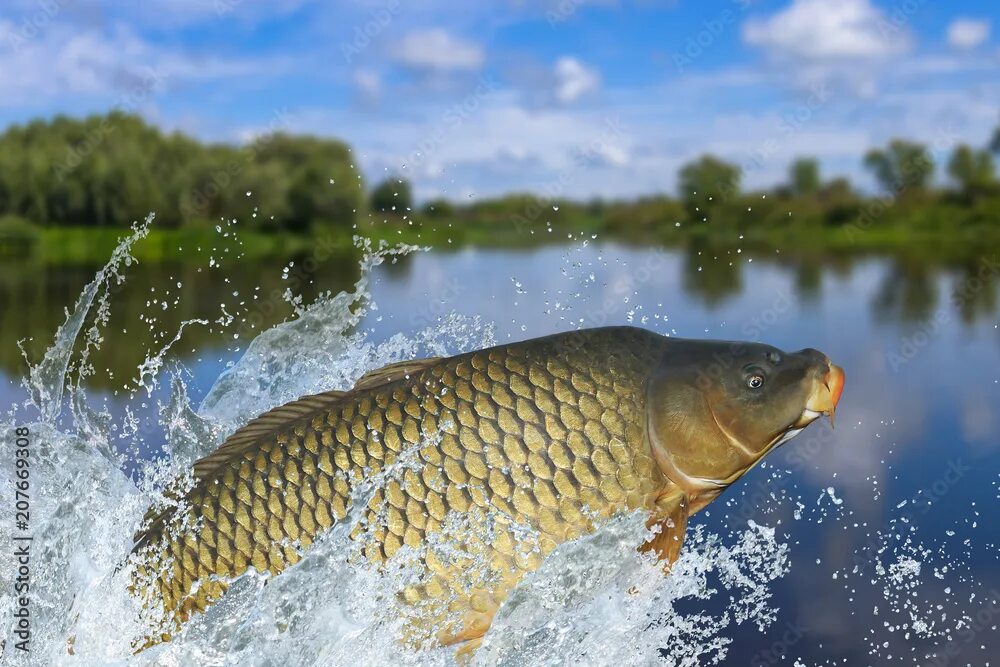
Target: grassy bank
292	193
88	245
853	238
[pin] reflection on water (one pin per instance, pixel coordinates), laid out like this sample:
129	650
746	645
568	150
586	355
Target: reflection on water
907	291
975	288
808	280
33	298
910	475
711	274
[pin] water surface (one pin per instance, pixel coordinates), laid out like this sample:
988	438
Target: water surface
889	518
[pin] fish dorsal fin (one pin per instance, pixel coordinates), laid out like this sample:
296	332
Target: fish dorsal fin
263	426
270	422
393	372
237	444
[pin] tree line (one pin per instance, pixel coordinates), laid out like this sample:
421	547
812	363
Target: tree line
903	169
709	190
112	169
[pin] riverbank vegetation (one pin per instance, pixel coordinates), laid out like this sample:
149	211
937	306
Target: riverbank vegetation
68	188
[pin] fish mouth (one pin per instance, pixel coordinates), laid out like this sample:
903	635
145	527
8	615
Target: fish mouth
824	397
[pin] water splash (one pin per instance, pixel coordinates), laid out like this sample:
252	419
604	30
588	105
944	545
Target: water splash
595	600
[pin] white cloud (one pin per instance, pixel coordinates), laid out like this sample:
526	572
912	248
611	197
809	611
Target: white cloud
844	44
187	13
436	49
527	134
574	80
368	84
632	141
56	61
979	421
968	33
493	146
60	61
820	30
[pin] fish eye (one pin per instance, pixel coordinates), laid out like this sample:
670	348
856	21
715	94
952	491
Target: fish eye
755	381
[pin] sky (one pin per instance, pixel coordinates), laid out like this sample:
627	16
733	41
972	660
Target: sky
565	98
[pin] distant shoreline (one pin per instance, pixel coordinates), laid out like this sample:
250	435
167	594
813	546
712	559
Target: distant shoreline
69	188
58	246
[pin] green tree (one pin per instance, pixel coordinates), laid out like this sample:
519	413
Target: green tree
322	185
645	214
804	177
840	203
707	183
972	170
903	166
392	195
115	168
995	141
438	208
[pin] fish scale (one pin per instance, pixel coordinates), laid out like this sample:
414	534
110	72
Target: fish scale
545	435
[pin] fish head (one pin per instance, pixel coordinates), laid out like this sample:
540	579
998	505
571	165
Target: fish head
715	408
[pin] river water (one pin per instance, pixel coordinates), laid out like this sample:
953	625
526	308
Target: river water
872	543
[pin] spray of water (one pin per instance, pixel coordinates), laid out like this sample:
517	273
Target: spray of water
594	601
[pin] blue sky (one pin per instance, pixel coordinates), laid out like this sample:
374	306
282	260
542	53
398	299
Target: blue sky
575	98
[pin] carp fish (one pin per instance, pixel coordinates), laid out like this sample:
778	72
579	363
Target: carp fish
531	444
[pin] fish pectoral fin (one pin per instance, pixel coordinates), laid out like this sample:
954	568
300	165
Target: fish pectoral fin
474	628
464	654
473	632
393	372
468	641
671	517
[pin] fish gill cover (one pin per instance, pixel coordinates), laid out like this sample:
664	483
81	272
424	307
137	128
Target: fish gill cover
595	600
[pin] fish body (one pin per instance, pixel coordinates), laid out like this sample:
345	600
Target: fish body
528	445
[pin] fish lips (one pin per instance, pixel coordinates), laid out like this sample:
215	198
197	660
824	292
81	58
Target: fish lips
824	397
